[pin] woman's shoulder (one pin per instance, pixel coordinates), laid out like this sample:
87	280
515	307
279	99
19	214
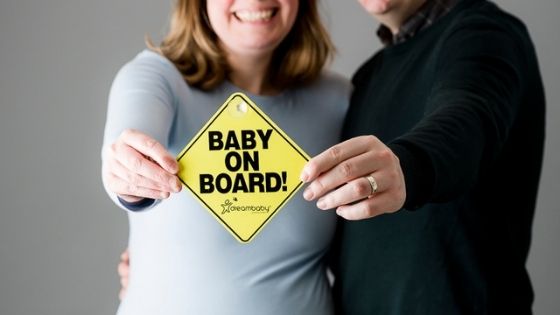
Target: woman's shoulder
334	79
330	94
149	72
149	68
331	84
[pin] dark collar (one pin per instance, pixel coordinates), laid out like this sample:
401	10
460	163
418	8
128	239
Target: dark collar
426	15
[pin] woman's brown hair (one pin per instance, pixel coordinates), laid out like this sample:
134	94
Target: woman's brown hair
193	47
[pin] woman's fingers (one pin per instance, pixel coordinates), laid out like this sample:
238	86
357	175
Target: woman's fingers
150	148
124	188
140	167
136	179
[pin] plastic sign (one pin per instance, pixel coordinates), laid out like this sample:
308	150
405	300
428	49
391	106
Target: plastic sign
242	167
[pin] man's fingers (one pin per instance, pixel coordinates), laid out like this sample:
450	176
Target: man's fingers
150	148
353	191
339	178
123	269
125	256
379	203
346	171
335	155
124	282
122	293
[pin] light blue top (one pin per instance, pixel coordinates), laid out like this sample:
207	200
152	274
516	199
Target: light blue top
183	261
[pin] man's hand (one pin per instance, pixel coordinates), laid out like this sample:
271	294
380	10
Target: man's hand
338	178
123	271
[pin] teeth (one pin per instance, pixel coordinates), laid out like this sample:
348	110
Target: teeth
254	16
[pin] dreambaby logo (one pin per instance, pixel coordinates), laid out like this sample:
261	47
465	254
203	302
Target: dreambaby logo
229	206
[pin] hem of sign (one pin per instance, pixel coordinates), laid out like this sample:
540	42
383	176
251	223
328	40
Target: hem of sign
230	229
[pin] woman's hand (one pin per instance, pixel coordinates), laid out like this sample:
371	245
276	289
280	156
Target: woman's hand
137	167
338	178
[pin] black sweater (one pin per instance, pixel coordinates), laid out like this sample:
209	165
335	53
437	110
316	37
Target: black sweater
462	106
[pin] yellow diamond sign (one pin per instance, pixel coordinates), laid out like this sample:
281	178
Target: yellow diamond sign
242	167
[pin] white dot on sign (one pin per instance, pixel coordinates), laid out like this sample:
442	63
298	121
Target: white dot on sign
241	107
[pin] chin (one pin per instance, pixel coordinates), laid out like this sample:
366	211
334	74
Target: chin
376	6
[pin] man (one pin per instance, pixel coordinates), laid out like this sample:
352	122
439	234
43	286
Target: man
455	105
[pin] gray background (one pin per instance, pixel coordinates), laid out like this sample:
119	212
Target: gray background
60	237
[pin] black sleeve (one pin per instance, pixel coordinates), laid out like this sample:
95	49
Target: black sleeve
472	106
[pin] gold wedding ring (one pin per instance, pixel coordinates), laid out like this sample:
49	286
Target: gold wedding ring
373	184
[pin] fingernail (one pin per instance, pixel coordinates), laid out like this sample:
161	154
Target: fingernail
173	166
304	176
321	204
308	194
174	185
